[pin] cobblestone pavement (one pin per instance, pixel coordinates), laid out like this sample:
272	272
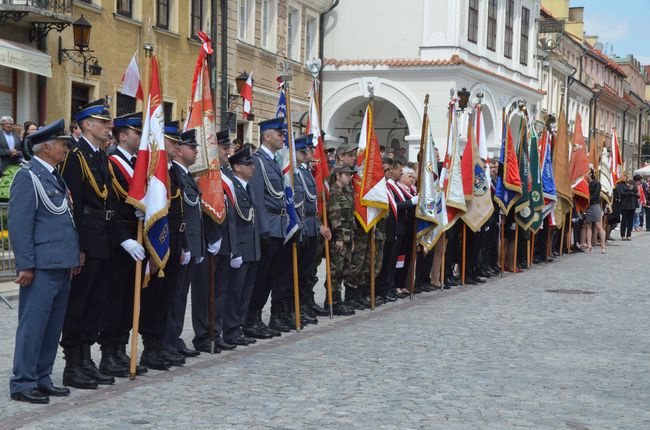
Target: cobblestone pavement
508	354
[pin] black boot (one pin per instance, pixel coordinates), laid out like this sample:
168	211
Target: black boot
120	353
318	311
73	375
277	321
338	306
110	365
151	355
255	328
90	369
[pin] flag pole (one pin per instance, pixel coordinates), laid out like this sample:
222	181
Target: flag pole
503	218
294	246
464	255
568	239
137	290
532	250
514	256
442	260
423	136
548	241
212	311
328	269
372	268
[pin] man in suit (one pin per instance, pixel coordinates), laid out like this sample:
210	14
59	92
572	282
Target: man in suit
221	243
192	230
85	170
158	296
274	269
245	258
46	249
114	334
10	148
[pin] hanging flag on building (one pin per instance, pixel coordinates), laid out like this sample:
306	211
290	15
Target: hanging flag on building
430	212
288	155
451	174
321	168
201	118
479	206
247	95
508	187
131	83
149	190
370	191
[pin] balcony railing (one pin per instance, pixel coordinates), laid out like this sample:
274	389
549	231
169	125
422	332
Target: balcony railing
53	6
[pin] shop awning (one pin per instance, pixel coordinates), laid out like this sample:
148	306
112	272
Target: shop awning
24	57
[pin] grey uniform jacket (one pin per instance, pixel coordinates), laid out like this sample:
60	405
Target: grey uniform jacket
192	212
248	238
40	239
269	198
310	221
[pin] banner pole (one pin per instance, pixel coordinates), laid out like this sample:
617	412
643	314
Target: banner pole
372	268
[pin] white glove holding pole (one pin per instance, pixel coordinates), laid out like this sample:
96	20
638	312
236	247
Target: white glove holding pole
139	214
414	200
185	258
199	260
214	248
236	262
135	250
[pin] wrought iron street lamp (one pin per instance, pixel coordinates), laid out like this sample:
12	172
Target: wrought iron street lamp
81	53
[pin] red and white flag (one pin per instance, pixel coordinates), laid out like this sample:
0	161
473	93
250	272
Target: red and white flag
247	95
321	168
370	191
131	84
615	166
451	174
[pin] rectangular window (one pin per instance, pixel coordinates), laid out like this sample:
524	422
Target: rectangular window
196	18
293	33
125	8
244	10
310	38
168	110
472	21
162	14
507	39
79	96
269	16
124	104
492	26
8	91
523	43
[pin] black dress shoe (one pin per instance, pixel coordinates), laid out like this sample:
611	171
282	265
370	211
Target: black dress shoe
126	362
239	341
278	324
258	332
152	359
469	281
187	352
54	391
225	346
341	309
205	347
451	282
478	280
174	359
89	369
30	395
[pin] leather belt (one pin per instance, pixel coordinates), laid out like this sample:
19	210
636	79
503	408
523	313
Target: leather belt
106	215
277	211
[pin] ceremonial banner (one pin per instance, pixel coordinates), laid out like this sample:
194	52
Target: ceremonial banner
479	206
131	83
451	174
605	178
579	167
247	95
149	190
524	215
615	163
430	212
321	168
537	192
508	188
548	180
370	191
561	171
288	154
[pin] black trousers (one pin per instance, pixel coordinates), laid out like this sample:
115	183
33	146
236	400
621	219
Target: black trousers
306	261
88	303
156	300
453	251
201	297
242	283
472	246
627	221
176	312
423	267
386	277
119	320
273	274
647	218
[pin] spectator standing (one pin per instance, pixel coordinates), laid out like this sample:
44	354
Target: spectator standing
629	202
10	144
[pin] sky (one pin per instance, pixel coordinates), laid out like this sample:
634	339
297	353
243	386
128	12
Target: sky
622	25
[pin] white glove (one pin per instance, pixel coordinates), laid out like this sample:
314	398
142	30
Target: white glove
185	258
135	250
214	248
236	262
414	200
139	214
199	260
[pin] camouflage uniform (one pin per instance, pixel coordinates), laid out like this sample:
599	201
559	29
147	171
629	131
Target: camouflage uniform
360	269
340	213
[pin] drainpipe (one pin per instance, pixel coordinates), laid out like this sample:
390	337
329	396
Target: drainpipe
638	161
321	39
569	81
224	62
592	114
213	58
623	146
41	83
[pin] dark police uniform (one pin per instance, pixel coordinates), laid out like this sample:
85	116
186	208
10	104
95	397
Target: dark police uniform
85	170
44	240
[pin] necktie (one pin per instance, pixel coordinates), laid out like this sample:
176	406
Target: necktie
133	160
59	179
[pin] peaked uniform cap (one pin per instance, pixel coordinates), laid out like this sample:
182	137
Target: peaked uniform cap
273	123
97	109
130	120
56	130
189	138
243	156
223	137
172	131
304	142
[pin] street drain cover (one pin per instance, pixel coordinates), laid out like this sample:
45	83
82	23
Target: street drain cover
570	291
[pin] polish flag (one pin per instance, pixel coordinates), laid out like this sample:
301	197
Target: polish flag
131	84
247	95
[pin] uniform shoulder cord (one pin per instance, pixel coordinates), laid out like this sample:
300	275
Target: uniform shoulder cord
116	184
91	178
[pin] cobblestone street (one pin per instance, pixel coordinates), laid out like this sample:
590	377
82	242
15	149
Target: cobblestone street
508	354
